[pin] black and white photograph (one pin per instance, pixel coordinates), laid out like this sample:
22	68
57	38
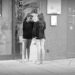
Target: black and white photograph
37	37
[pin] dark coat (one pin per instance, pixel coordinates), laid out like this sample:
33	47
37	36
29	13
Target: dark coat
38	30
27	29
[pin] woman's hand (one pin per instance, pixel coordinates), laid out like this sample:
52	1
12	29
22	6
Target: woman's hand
20	38
34	41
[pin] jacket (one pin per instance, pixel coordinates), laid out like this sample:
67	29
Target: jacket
39	30
27	29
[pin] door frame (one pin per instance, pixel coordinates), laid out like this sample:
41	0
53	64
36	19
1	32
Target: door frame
14	43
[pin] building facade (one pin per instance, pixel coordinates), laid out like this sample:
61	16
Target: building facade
60	39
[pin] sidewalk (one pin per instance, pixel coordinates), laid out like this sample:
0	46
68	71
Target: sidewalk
53	67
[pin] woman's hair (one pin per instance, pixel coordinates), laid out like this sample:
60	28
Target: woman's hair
28	15
41	20
34	10
41	17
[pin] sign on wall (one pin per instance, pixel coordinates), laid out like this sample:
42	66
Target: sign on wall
53	20
53	6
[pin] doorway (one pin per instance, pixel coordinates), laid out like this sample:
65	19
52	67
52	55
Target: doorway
20	9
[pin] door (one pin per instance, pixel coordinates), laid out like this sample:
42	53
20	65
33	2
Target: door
71	28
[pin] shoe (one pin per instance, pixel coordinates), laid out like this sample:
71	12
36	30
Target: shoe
27	60
38	62
22	61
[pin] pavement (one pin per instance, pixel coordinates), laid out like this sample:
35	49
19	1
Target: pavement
53	67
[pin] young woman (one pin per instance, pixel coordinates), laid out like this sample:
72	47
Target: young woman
27	35
39	34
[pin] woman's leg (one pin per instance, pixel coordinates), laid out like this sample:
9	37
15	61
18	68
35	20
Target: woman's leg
42	49
28	48
38	50
24	44
23	50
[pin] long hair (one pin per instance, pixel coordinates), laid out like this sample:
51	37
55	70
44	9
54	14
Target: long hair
34	10
41	19
28	15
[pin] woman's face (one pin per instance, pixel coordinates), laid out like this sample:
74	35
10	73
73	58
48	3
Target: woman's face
28	19
35	18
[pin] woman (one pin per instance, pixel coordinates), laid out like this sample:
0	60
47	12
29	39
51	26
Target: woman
27	35
39	34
